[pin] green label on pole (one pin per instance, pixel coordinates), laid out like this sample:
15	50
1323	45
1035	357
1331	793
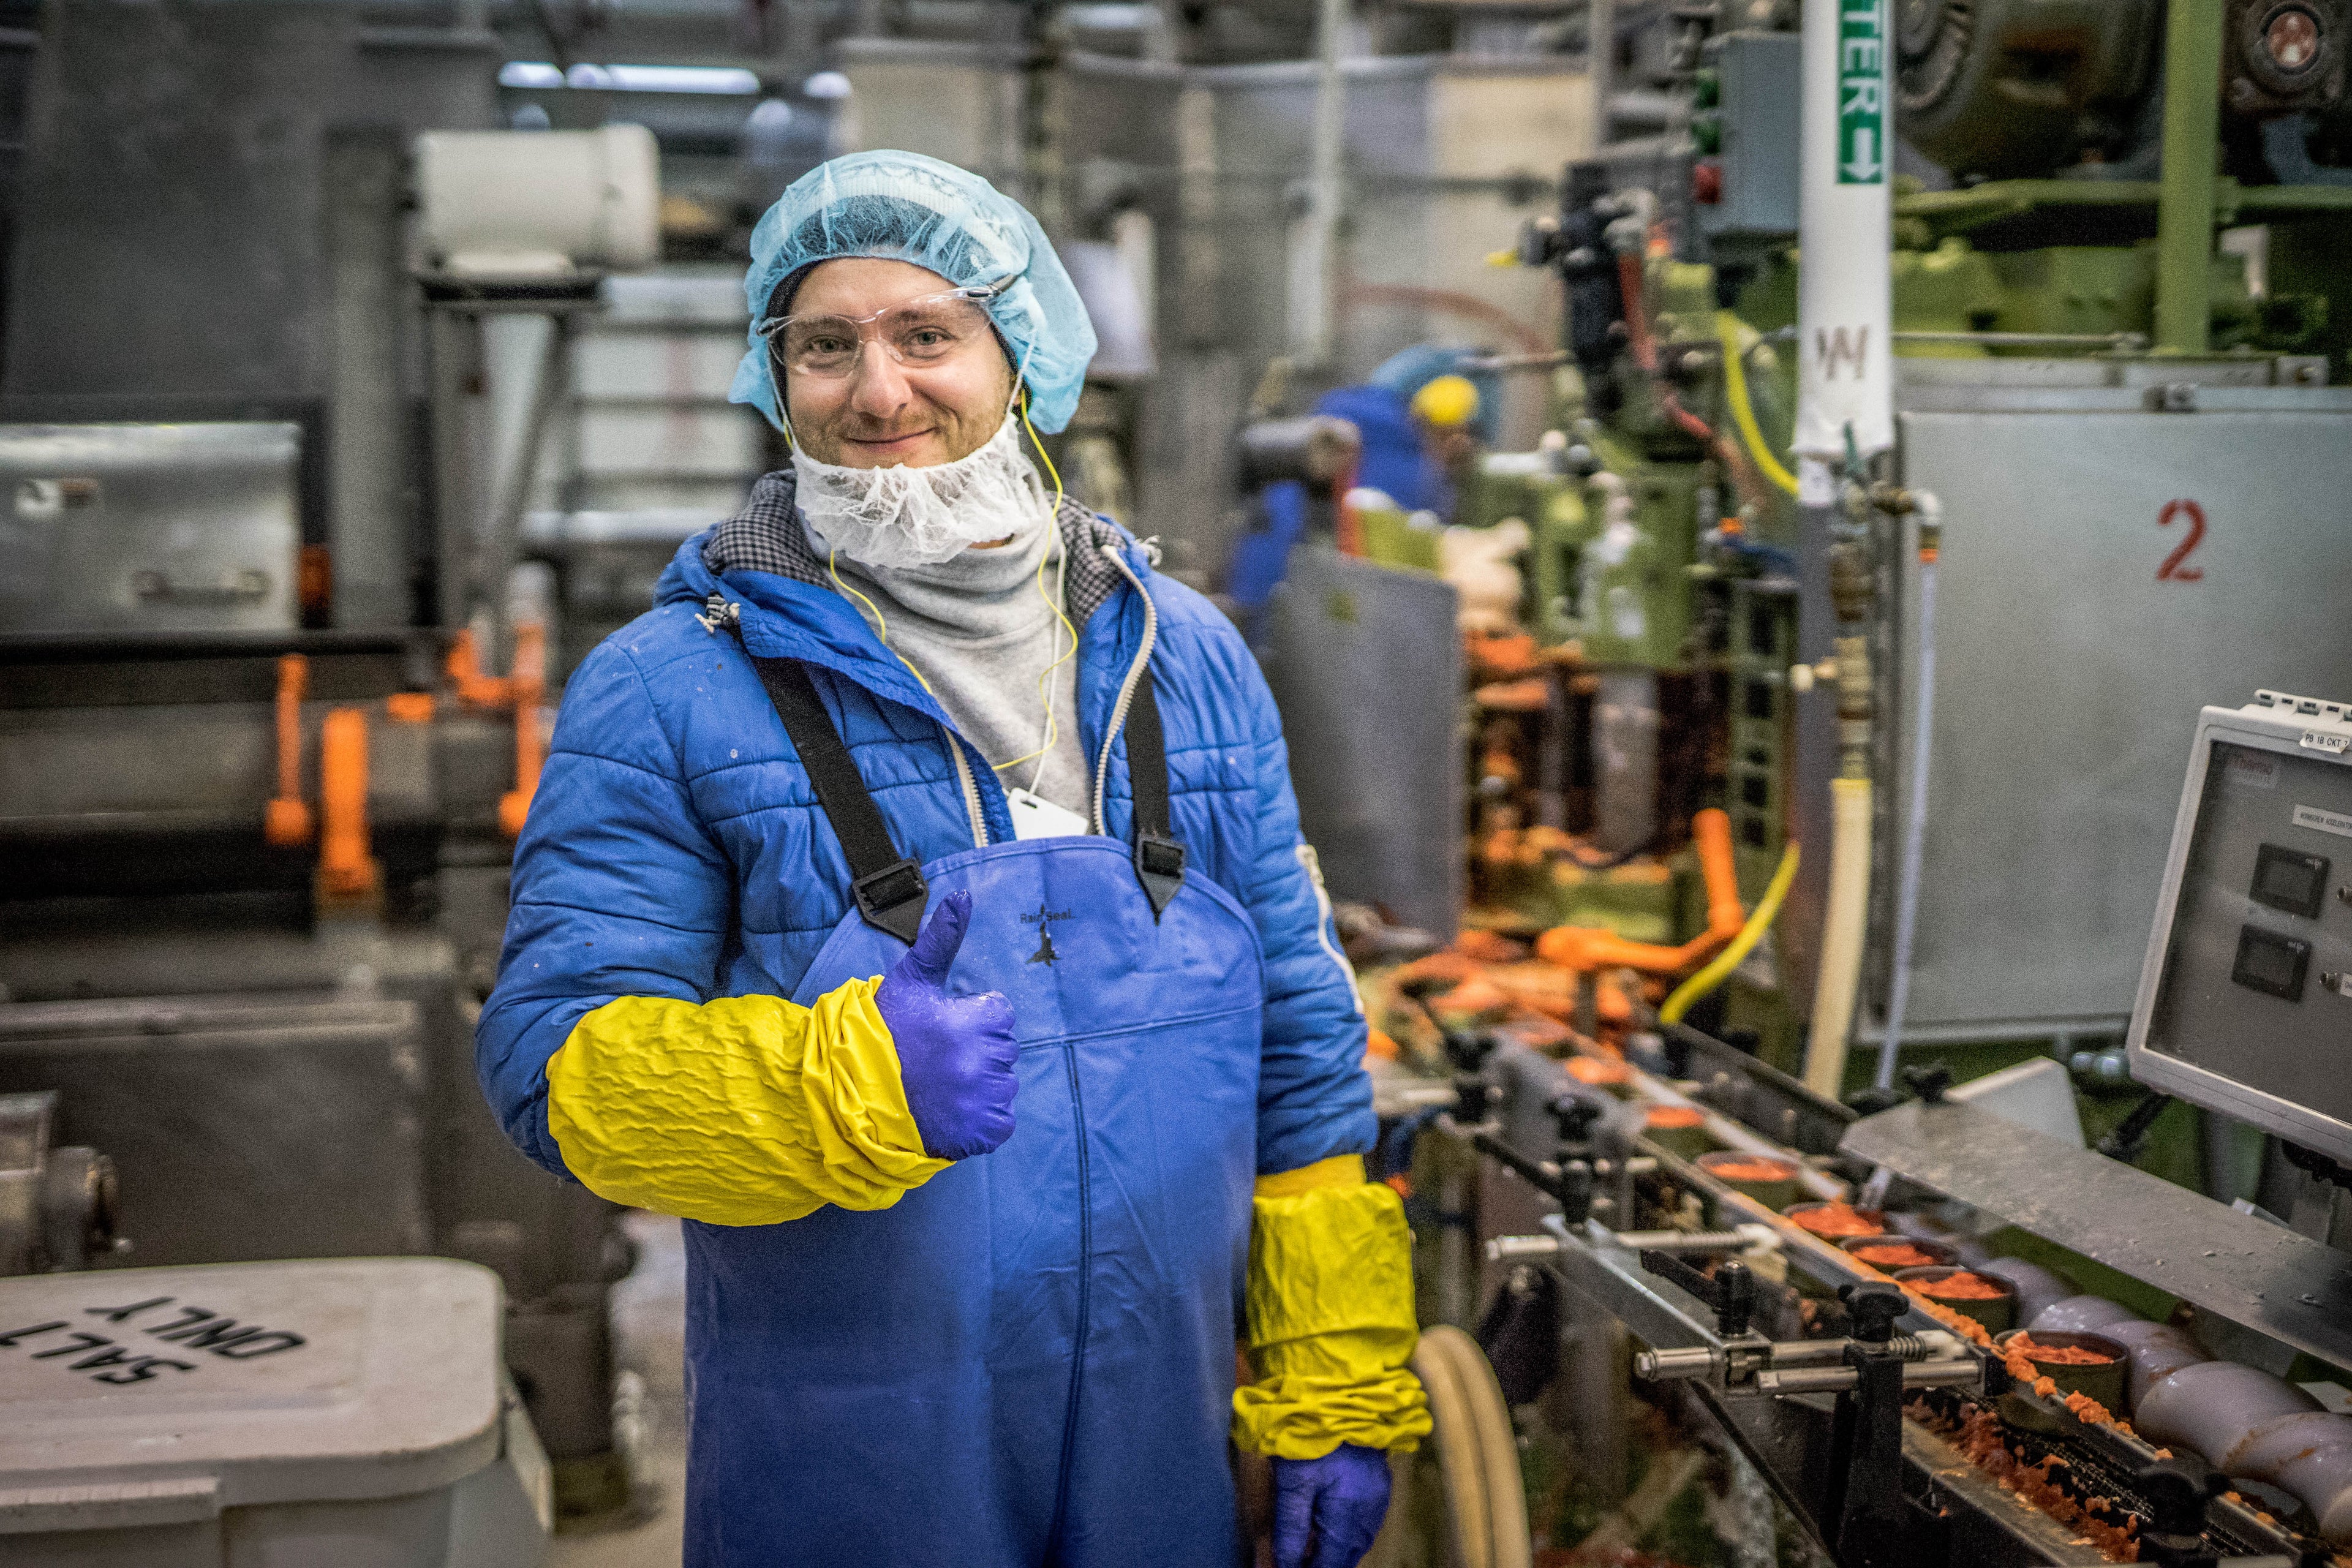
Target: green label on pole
1861	92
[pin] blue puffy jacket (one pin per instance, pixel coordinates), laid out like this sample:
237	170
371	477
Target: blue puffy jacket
674	847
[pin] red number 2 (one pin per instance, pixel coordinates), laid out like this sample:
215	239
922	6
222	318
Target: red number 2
2172	571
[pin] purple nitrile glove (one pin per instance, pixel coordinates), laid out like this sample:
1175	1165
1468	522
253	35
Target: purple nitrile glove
955	1053
1339	1499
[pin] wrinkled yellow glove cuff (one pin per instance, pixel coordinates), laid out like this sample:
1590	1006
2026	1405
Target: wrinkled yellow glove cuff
1330	1319
746	1110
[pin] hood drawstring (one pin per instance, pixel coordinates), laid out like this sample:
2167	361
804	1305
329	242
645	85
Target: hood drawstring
717	612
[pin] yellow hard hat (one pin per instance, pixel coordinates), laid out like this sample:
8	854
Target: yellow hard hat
1446	402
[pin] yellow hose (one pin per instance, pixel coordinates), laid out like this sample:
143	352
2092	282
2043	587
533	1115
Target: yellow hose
1842	929
1743	414
1713	975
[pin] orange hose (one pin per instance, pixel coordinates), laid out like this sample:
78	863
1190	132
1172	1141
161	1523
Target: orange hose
526	686
1711	831
1588	948
346	869
286	822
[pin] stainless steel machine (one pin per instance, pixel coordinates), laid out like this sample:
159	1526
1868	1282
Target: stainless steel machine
270	713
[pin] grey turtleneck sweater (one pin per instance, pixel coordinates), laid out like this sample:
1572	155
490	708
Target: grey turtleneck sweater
981	634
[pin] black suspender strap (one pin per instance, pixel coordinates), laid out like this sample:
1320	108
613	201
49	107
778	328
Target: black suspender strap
888	888
1159	858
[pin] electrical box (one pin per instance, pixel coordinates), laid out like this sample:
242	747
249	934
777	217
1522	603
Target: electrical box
2245	1001
1755	198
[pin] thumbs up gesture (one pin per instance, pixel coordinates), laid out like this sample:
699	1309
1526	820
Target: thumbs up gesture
955	1053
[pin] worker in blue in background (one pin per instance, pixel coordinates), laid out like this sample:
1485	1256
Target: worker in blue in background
914	902
1420	415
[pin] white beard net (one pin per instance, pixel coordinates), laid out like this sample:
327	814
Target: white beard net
900	516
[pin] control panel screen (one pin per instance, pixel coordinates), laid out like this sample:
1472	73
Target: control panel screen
2271	964
2255	984
2290	879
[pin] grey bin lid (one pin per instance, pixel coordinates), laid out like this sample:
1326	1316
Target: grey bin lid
134	1396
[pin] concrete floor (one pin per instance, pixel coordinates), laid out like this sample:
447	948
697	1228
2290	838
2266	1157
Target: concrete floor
648	1346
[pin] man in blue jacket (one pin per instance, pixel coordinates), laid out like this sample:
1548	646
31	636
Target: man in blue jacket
914	902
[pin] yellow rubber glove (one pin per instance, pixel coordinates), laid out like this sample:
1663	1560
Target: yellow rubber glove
746	1110
1331	1317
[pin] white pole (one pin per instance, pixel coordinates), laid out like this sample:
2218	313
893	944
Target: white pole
1845	310
1845	396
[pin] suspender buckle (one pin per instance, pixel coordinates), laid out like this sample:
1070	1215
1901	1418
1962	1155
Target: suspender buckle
1159	867
892	899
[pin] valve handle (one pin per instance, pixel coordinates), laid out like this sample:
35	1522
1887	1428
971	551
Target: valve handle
1873	1310
1468	1051
1575	1117
1731	1292
1575	1191
1930	1082
2178	1492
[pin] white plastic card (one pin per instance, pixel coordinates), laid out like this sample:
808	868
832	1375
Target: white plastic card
1034	816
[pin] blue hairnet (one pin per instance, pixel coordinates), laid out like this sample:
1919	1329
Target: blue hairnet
904	206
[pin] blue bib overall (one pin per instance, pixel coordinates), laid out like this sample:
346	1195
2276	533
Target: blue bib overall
1029	1359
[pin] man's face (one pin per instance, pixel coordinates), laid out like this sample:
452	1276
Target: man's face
878	409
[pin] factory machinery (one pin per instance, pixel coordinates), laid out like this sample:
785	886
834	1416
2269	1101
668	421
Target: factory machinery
1942	1332
272	711
1790	793
2115	454
1754	779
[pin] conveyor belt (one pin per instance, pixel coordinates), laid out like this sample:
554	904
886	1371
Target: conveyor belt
2095	1461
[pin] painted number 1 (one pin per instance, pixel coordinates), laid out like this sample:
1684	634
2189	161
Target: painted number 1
2172	571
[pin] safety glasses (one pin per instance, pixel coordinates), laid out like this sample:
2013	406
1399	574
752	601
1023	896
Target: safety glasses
930	330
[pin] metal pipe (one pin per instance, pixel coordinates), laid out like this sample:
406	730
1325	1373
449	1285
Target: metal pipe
1600	66
1314	325
1743	1238
1834	1379
2123	340
2184	211
1915	824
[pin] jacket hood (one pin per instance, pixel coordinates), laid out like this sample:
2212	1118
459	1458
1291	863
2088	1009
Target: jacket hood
759	560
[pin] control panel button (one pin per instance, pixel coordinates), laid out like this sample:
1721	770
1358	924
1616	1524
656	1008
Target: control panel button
2271	962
